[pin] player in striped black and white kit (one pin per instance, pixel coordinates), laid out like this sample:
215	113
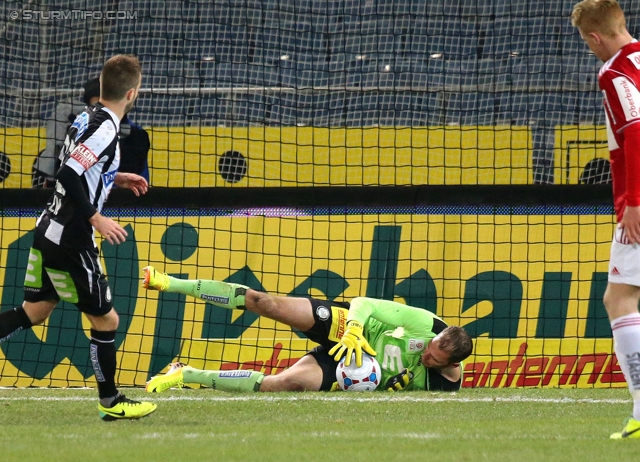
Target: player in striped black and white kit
602	25
64	262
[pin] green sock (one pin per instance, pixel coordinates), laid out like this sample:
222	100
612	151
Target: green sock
224	380
222	294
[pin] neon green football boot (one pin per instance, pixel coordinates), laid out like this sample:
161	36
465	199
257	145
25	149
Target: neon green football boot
154	279
631	430
125	408
173	378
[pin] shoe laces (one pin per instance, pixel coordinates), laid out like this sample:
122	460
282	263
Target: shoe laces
122	399
175	366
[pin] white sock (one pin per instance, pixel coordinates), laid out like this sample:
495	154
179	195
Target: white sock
626	336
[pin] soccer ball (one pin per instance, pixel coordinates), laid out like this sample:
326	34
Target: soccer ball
354	378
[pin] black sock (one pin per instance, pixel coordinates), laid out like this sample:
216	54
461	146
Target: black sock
12	322
103	360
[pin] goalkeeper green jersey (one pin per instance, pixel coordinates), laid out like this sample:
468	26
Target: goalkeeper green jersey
398	333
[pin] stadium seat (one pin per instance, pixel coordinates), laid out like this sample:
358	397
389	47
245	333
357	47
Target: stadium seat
160	73
494	74
589	108
221	42
451	36
504	61
11	113
538	73
521	36
581	72
161	109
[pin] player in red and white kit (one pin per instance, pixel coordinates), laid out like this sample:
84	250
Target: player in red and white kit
602	25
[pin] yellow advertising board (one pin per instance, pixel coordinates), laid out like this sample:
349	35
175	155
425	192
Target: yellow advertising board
575	147
304	156
528	288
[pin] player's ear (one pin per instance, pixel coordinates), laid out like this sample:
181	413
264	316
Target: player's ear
596	37
131	94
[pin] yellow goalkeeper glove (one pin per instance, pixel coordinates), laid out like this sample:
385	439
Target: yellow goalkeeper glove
400	381
352	341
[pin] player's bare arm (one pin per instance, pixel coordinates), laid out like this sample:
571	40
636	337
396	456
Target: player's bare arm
135	183
109	229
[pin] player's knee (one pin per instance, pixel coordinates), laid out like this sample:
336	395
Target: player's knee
621	301
36	320
281	382
261	303
106	322
608	300
38	312
113	320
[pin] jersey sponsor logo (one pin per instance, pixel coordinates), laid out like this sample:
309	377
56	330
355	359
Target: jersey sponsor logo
84	156
633	363
342	320
416	344
7	337
234	375
629	97
108	178
93	354
322	312
615	272
635	59
215	299
81	123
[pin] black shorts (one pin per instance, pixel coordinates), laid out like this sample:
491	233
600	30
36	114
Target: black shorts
78	277
330	320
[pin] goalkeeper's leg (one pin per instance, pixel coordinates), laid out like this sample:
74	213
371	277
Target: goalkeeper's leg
179	374
305	375
222	294
294	311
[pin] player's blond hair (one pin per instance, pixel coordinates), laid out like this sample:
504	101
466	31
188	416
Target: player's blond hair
604	16
120	74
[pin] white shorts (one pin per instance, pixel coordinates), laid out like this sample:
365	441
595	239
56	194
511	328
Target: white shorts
624	263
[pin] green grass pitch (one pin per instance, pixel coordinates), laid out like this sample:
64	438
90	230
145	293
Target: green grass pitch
205	425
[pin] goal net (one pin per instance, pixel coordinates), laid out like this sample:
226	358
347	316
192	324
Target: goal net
325	93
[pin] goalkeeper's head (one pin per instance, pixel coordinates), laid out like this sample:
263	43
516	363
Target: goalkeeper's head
448	348
120	80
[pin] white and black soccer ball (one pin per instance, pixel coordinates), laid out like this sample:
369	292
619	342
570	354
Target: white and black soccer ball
363	378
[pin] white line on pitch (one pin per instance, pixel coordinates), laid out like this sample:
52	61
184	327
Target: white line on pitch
339	397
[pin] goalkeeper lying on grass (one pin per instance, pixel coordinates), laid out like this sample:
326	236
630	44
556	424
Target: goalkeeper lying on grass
415	348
